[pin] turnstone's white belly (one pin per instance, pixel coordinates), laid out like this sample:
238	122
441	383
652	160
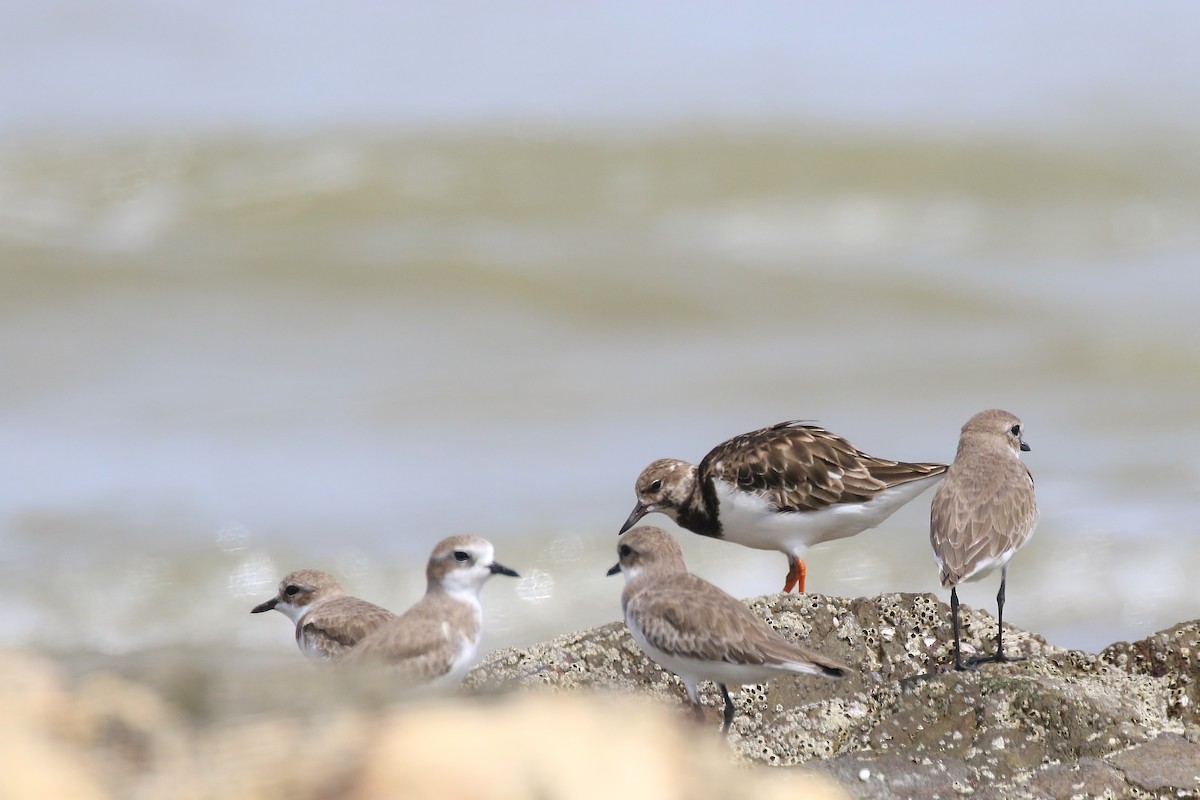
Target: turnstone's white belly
748	518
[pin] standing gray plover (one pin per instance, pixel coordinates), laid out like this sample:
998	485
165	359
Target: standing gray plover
983	512
785	488
328	621
696	630
435	640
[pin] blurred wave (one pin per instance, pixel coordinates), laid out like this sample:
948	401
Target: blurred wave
231	356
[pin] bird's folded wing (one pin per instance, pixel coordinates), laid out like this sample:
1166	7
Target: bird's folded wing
979	522
413	649
691	618
801	467
337	627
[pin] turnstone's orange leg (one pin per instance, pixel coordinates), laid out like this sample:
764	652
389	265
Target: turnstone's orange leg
797	572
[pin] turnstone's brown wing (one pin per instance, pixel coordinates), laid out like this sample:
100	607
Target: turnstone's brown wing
803	467
979	514
685	616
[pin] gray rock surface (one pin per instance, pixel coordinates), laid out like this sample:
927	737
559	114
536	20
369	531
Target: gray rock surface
1121	723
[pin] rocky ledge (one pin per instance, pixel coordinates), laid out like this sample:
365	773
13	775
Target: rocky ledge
595	719
1060	723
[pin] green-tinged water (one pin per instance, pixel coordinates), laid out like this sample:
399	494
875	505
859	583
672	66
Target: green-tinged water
229	357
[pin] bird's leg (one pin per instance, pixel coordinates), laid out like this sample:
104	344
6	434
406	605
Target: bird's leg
693	694
958	664
797	572
999	656
1000	615
728	708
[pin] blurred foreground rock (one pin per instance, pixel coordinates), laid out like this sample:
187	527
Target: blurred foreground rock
1121	723
596	719
111	738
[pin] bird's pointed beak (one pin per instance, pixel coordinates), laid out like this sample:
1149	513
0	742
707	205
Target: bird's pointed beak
639	511
615	567
500	569
267	606
1024	446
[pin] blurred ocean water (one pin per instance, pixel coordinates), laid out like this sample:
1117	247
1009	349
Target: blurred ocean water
234	352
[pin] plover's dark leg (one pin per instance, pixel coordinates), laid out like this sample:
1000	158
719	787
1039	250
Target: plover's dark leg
1000	614
728	708
958	664
999	656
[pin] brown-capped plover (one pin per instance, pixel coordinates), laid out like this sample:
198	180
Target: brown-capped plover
328	621
698	631
785	488
435	640
983	512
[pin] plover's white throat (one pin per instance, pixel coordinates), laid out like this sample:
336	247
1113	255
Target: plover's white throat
983	512
696	630
436	639
328	621
785	488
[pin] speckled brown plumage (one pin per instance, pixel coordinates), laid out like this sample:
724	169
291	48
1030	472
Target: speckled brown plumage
785	487
803	467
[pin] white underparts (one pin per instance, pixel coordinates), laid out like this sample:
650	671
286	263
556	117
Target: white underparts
749	520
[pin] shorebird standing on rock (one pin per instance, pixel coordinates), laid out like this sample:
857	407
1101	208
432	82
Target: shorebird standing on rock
785	488
696	630
983	512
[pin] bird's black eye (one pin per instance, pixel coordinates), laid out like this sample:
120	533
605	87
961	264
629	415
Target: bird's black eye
461	556
1015	430
655	486
624	550
292	590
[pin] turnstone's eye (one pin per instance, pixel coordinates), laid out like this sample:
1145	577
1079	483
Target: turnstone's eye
624	550
654	487
1015	430
292	590
461	556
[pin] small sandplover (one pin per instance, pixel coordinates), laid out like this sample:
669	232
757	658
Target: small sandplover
435	640
695	629
983	512
328	621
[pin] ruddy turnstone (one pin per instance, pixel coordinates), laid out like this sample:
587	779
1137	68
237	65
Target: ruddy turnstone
785	488
698	631
436	639
983	512
328	621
